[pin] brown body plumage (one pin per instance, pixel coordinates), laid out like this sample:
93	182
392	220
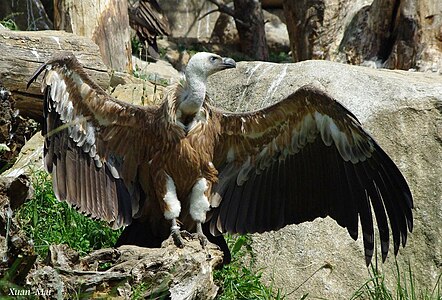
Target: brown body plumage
187	163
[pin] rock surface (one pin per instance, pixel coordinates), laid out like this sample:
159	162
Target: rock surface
160	69
403	112
30	158
148	88
145	93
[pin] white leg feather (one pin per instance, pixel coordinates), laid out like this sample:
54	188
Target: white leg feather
199	204
173	204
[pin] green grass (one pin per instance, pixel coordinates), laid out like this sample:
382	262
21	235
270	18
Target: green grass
280	57
405	286
48	221
9	23
238	281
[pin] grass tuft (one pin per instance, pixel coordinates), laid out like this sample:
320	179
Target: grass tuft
238	281
9	22
48	221
405	287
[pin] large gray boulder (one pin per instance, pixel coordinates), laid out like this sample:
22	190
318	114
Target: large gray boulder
403	112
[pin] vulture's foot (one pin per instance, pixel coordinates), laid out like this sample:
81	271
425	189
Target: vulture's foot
177	238
200	235
176	234
202	238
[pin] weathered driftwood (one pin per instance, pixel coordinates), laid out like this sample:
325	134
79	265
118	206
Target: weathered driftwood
106	22
179	273
22	52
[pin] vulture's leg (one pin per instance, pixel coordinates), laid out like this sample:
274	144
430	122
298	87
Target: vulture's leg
176	234
172	211
199	206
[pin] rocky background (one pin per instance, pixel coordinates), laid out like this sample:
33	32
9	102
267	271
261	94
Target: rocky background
357	47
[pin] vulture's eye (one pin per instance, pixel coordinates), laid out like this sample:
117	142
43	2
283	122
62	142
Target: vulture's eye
213	59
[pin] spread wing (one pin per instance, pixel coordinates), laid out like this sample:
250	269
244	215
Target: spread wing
303	158
94	144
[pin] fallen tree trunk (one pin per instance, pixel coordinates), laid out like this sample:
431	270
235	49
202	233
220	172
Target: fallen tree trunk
106	22
22	52
128	271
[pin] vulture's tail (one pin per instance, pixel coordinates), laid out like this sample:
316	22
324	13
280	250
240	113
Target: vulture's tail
140	233
219	241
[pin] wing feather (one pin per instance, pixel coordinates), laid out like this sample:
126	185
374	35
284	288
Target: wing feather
303	158
86	143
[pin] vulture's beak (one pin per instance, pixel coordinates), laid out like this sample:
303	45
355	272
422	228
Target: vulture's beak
228	63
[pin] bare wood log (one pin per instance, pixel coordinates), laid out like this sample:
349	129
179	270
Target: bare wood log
22	52
168	272
106	22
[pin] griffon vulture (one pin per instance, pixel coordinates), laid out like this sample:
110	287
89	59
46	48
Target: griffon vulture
187	163
147	19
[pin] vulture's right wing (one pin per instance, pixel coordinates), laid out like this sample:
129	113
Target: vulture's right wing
303	158
94	144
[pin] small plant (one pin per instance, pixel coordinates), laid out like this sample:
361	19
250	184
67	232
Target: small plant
281	57
238	281
9	22
48	221
376	288
137	46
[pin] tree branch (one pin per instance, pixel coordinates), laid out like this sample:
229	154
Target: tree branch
223	8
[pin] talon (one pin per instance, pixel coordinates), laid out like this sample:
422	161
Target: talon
201	236
203	240
185	234
177	239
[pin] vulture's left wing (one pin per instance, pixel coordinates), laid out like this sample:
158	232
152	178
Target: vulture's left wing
95	146
303	158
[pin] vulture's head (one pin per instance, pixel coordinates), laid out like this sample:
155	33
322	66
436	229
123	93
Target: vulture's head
204	64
